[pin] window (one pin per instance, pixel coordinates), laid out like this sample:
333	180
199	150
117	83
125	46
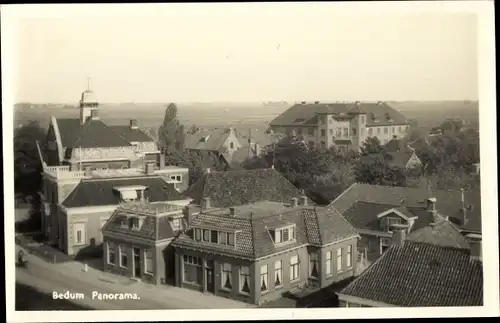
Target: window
362	119
176	224
148	254
264	286
331	121
323	132
389	221
370	131
111	254
310	131
231	145
214	236
353	131
226	277
386	130
284	235
338	133
339	260
313	265
331	131
378	131
79	233
123	255
385	243
393	129
349	256
346	132
323	119
197	234
135	223
311	144
400	130
278	273
323	145
230	239
362	132
206	235
328	263
222	237
178	178
193	273
244	280
294	268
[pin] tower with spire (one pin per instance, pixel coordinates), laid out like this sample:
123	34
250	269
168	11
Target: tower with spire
89	107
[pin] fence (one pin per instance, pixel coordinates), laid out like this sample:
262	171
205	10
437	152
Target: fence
42	251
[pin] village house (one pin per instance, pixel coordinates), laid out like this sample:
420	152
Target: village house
401	155
257	252
341	125
84	157
434	266
373	209
136	240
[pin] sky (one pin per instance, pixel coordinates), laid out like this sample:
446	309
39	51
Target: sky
207	53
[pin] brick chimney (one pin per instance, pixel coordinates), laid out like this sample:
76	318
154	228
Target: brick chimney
294	202
231	211
431	204
189	212
150	168
398	234
205	203
475	242
303	200
133	124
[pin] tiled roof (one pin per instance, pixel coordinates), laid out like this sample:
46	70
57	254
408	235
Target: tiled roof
153	227
443	234
240	187
99	192
395	145
301	114
448	202
215	139
131	135
313	226
92	134
420	274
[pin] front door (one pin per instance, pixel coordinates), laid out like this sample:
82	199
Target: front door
137	262
210	280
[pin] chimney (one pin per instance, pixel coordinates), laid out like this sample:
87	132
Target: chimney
432	225
257	149
431	204
380	103
294	202
303	102
133	124
150	168
357	103
303	200
205	203
189	212
463	207
398	234
316	102
94	114
162	161
475	242
231	211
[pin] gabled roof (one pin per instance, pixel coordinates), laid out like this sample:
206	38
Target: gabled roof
448	202
443	234
92	134
207	139
131	135
155	227
303	114
396	145
421	274
240	187
317	226
100	192
400	158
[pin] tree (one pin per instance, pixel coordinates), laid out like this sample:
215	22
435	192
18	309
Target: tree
375	170
371	146
27	164
170	132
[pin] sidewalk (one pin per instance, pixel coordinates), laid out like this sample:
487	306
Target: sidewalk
149	293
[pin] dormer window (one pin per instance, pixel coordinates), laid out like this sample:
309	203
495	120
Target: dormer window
134	223
215	236
131	193
176	224
388	221
282	235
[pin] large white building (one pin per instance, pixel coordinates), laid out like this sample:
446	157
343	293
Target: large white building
344	125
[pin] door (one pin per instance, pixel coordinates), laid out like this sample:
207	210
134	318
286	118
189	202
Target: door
210	280
137	262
